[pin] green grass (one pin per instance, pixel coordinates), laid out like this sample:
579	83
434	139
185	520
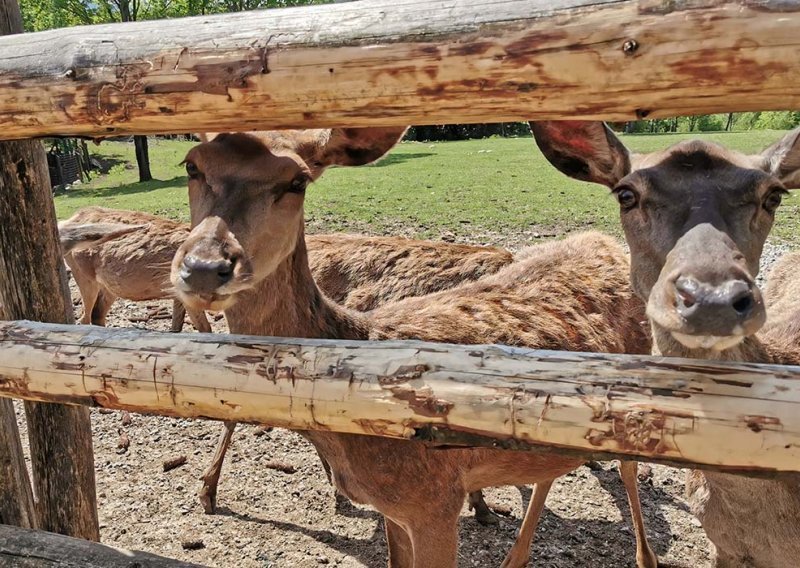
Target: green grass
494	187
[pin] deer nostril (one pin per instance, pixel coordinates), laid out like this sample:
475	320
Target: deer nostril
687	290
225	270
743	303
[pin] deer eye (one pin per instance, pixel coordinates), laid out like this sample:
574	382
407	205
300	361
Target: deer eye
773	199
299	184
191	170
627	198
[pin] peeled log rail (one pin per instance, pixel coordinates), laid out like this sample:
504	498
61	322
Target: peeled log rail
397	62
735	416
25	548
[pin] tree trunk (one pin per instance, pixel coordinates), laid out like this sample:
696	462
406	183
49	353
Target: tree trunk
16	499
34	286
142	158
729	125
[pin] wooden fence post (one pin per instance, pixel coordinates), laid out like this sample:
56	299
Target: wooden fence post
34	286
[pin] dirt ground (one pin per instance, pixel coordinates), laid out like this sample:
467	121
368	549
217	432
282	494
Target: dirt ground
269	517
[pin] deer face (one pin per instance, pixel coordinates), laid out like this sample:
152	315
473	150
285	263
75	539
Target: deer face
695	218
246	194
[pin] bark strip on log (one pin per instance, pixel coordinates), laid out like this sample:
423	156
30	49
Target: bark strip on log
736	416
397	62
23	548
33	285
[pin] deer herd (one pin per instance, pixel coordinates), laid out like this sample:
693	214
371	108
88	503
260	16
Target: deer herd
695	218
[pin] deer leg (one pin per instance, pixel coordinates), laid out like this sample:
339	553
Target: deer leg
102	306
178	315
340	499
645	557
483	514
434	537
401	553
199	320
90	290
210	479
520	553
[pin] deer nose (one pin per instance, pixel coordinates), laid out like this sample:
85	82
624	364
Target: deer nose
206	275
714	309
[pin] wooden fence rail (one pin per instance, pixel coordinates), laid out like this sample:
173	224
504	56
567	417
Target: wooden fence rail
719	415
397	62
26	548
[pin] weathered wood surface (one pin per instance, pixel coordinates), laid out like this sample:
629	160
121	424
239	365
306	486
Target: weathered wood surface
740	416
392	62
33	285
16	499
22	548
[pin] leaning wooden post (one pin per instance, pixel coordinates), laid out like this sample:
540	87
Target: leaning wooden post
33	286
16	498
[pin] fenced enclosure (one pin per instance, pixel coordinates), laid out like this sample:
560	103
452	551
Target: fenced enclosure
386	63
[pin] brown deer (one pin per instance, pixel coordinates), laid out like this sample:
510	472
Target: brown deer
133	265
246	255
358	272
696	217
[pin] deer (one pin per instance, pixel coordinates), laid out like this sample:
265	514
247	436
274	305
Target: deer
359	272
133	265
696	217
246	255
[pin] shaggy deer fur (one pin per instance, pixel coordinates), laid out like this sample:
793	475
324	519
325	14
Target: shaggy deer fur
356	271
246	255
133	265
696	218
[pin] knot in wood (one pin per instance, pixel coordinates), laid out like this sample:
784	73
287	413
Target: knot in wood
630	47
638	430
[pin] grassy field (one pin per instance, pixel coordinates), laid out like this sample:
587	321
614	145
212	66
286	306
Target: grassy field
480	190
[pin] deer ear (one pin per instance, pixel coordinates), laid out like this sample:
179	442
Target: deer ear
359	146
782	159
584	150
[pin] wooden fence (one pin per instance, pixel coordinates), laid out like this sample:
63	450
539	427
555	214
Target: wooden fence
371	63
398	62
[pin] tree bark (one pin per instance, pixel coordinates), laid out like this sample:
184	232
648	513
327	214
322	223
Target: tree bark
142	158
721	415
34	286
16	498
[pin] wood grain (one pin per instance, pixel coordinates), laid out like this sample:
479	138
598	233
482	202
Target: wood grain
739	416
23	548
397	62
33	285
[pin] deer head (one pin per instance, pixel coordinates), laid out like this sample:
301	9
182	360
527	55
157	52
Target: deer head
695	216
246	194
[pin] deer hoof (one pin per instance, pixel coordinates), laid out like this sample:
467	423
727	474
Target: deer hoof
208	500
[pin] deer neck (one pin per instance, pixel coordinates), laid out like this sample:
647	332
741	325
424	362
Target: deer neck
288	303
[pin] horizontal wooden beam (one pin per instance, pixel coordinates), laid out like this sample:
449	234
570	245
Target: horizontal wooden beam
720	415
26	548
397	62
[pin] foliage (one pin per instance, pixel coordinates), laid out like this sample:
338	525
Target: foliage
450	132
47	14
490	191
